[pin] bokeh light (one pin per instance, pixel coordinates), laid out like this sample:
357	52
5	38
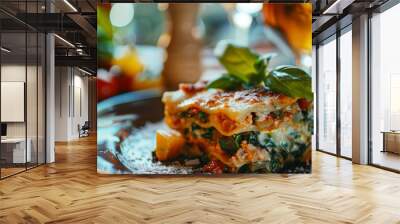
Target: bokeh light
242	20
121	14
306	60
249	8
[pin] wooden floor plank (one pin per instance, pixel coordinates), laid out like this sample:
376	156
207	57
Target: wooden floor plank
70	191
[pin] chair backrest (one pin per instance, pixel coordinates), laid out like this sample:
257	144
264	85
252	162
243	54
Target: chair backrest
86	124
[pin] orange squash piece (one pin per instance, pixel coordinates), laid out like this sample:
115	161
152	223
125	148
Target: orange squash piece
169	144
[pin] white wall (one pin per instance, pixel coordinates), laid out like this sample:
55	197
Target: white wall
80	110
33	127
61	114
71	94
12	73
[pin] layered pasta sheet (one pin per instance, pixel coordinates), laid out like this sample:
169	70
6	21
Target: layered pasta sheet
252	130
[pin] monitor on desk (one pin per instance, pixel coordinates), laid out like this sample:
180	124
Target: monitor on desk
3	130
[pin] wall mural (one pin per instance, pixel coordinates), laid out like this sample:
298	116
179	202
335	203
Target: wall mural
204	88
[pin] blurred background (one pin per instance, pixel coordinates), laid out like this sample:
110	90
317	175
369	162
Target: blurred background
159	45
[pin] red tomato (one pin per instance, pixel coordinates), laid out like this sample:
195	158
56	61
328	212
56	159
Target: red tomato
303	104
106	89
213	167
124	83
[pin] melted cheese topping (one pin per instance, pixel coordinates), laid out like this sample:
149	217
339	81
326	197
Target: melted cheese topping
229	112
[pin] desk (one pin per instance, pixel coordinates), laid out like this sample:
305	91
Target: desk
15	148
391	141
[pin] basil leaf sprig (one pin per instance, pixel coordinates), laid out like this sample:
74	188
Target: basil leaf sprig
246	69
291	81
238	61
226	82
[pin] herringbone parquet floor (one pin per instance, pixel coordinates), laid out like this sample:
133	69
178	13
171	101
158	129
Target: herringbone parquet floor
70	191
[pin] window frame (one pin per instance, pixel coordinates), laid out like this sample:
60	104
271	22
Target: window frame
29	29
381	9
334	37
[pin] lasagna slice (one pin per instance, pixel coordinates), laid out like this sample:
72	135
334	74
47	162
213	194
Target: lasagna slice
249	130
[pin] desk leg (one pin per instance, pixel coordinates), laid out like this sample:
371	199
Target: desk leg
384	143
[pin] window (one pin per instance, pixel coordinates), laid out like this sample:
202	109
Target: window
385	89
346	94
327	97
22	78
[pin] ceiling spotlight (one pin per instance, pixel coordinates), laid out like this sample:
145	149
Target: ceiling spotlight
5	50
79	51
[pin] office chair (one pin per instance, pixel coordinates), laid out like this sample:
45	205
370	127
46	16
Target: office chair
84	130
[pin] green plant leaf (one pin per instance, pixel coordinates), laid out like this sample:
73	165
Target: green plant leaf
291	81
225	82
228	145
238	61
247	70
261	66
300	73
262	62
